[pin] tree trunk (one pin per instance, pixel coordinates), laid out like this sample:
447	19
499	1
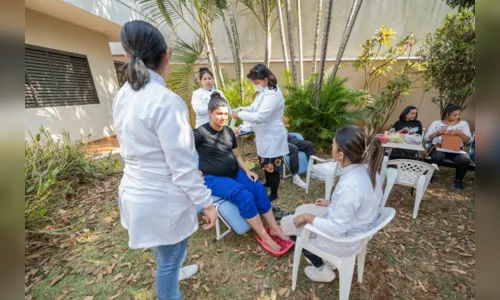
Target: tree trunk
267	23
210	60
218	70
326	32
347	33
236	40
316	33
231	45
282	34
290	39
301	54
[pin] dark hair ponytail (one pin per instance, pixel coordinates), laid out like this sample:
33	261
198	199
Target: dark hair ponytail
450	108
261	72
203	71
360	147
146	46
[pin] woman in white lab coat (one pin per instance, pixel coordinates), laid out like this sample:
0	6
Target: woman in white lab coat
201	96
355	200
266	115
161	186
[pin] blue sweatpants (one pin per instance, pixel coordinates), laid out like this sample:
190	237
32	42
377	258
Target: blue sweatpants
250	197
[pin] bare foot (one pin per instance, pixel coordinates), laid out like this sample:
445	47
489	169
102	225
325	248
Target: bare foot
277	232
270	242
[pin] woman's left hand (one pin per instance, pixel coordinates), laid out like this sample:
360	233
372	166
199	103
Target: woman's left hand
235	114
302	219
253	177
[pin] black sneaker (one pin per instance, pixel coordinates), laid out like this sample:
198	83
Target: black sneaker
458	185
276	209
273	197
282	214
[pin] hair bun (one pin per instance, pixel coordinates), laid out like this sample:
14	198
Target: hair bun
203	69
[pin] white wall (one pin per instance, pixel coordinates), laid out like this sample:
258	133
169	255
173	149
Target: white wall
81	120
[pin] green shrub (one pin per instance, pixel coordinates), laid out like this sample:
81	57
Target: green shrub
232	93
52	168
318	124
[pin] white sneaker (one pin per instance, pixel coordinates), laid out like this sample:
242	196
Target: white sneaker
326	262
315	274
298	182
187	272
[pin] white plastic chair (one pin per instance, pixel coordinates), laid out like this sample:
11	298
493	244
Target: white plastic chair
326	171
412	173
345	265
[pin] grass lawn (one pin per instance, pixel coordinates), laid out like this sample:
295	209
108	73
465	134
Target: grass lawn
431	257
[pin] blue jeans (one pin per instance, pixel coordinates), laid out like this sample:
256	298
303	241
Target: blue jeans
169	259
250	197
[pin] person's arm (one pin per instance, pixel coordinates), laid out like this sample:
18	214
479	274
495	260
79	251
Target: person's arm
200	108
419	125
347	204
241	161
266	109
464	134
171	124
434	131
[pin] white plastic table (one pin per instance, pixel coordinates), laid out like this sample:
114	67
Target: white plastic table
390	146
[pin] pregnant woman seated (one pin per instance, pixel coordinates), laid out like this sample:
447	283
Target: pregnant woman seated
228	177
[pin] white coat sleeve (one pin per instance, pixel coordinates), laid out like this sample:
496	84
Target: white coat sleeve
432	129
339	221
171	123
265	111
200	108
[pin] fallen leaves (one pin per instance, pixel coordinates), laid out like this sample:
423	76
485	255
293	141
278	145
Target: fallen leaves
117	277
57	279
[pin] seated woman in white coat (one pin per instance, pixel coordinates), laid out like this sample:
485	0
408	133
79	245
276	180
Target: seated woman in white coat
201	96
355	201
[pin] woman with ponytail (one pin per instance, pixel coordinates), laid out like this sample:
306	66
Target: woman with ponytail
201	96
355	200
161	186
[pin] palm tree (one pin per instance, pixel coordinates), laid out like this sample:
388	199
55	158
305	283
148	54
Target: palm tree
326	33
282	33
262	10
356	5
236	38
290	39
316	33
301	56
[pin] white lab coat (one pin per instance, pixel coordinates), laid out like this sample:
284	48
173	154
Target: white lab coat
352	211
199	101
160	187
266	115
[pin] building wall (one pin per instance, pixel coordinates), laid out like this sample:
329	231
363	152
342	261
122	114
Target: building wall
81	120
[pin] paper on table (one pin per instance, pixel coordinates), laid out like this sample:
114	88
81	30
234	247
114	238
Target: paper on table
450	151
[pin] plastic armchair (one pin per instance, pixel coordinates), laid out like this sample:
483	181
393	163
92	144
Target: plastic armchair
412	173
326	171
345	265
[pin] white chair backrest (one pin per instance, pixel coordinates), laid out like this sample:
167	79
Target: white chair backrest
409	171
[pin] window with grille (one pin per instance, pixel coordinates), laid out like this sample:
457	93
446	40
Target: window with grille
56	78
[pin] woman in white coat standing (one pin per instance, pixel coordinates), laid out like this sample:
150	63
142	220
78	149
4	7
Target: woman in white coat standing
161	186
355	200
201	96
266	115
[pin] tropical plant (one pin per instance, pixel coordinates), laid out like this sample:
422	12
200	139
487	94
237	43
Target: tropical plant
449	59
461	4
319	123
301	54
262	11
326	33
290	40
52	168
377	59
282	33
356	5
316	33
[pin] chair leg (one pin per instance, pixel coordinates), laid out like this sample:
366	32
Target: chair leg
388	188
418	199
346	271
296	262
308	177
328	186
361	264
